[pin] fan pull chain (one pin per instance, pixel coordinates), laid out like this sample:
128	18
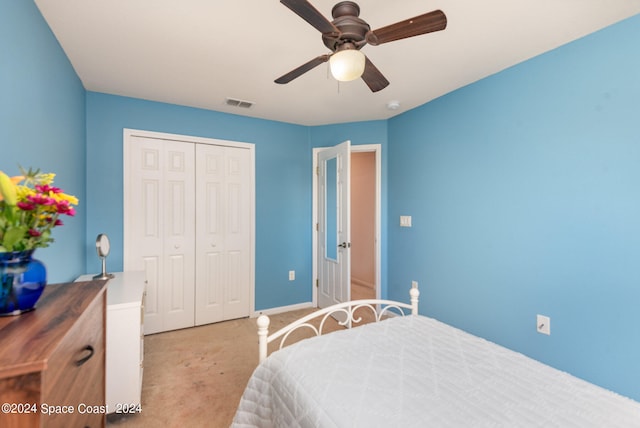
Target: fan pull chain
330	77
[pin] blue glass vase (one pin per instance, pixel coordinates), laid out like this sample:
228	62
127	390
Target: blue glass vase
22	281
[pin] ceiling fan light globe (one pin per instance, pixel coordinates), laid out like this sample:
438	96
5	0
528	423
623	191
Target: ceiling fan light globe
347	65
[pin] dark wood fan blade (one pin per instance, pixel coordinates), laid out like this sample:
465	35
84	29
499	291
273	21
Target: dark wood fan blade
302	69
306	11
373	78
423	24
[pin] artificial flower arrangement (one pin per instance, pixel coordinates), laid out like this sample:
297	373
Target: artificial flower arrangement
29	211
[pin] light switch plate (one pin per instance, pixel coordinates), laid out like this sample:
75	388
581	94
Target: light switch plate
405	221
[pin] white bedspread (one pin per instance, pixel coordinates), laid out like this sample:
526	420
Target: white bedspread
418	372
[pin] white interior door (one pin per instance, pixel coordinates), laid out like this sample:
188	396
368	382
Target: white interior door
333	252
223	219
161	205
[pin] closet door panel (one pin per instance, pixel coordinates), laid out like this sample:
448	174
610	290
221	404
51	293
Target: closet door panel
210	242
238	233
151	267
222	285
234	278
179	231
146	218
212	257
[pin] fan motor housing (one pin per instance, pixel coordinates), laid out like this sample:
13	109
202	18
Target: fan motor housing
352	28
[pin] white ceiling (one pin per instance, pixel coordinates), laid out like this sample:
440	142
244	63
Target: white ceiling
199	52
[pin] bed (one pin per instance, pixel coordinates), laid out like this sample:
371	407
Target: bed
414	371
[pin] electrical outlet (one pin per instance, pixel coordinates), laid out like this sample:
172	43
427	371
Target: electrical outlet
543	324
292	275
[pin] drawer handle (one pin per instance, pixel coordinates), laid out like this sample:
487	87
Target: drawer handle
83	360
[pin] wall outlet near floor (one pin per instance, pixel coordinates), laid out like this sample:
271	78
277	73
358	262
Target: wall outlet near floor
405	221
543	324
292	275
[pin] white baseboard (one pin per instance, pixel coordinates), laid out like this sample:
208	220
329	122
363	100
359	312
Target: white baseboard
281	309
362	283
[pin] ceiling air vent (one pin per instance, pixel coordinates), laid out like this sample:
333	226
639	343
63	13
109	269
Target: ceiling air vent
238	103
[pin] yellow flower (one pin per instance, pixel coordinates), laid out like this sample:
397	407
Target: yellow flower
23	191
8	191
45	178
63	196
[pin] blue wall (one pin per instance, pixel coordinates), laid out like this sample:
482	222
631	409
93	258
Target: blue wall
525	194
42	123
283	185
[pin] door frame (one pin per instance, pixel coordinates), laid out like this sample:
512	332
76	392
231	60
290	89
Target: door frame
128	134
377	149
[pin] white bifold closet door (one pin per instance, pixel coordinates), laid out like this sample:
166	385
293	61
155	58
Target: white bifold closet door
223	233
161	239
188	223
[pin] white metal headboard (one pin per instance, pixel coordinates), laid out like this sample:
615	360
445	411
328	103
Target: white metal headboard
347	310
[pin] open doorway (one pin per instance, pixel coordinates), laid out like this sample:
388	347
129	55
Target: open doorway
363	225
367	204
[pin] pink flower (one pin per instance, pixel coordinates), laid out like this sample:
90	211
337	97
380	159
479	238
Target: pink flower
56	222
34	233
26	206
45	188
63	207
40	199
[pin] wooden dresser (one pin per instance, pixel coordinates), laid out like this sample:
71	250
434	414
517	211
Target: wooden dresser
52	360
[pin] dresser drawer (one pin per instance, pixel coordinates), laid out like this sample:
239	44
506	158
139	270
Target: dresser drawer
75	373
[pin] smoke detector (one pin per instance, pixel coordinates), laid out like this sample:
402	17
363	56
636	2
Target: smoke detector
393	105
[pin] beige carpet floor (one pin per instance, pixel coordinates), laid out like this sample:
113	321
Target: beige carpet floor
195	377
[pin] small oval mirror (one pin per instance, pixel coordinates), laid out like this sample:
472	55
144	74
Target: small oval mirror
102	245
102	248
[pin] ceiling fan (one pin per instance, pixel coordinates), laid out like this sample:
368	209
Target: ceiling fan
347	34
